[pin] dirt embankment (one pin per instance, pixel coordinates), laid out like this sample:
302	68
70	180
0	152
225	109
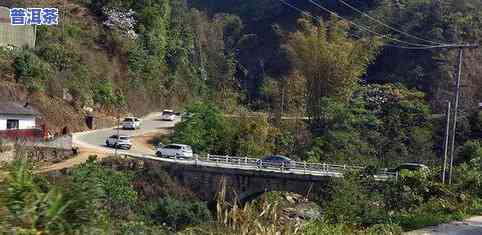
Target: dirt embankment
55	113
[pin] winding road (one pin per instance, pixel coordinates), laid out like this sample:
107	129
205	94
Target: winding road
95	139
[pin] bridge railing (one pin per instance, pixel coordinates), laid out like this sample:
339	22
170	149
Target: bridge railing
294	167
299	167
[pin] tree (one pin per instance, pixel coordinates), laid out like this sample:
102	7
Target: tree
255	136
405	130
31	70
216	41
206	130
344	139
330	60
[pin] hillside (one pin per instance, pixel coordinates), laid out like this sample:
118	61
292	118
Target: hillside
74	65
334	112
139	57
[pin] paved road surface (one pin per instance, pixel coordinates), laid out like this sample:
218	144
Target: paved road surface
472	226
152	123
96	139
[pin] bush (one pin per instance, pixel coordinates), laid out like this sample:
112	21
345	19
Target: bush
31	70
96	191
384	229
352	203
103	92
29	207
140	228
470	150
177	214
206	130
319	228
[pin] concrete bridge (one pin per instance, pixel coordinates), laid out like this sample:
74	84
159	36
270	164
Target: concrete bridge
244	185
242	180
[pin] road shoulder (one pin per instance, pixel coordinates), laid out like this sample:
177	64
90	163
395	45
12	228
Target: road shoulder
471	226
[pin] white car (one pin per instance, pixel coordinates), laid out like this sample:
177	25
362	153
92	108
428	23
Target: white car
175	150
131	123
121	142
168	115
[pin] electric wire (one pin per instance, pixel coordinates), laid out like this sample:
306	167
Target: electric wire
358	37
365	28
388	26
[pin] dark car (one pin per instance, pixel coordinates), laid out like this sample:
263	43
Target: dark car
410	167
277	161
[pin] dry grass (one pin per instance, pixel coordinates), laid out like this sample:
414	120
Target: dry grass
250	219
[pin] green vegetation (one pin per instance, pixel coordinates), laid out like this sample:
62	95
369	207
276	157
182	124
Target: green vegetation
92	197
116	198
208	131
255	77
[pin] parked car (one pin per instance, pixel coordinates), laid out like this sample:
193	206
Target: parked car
168	115
175	150
275	161
410	167
131	123
122	142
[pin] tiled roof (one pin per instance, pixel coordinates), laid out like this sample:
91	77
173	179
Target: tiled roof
16	109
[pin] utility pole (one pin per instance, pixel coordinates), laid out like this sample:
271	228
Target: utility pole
456	107
118	137
456	102
446	144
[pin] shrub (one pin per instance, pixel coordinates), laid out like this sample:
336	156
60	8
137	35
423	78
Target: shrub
177	214
103	92
31	71
383	229
29	207
352	203
470	150
97	191
141	228
206	130
316	227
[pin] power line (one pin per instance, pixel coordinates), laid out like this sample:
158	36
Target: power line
365	28
451	46
299	10
353	35
388	26
426	47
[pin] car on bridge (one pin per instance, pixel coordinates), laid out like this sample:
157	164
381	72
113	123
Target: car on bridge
412	167
276	161
175	150
119	141
168	115
131	123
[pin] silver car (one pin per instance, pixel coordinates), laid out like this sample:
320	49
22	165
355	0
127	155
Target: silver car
175	150
168	115
121	142
131	123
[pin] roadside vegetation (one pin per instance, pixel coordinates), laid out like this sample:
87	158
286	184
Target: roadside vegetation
253	77
117	197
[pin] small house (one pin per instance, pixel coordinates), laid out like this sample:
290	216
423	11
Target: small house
18	121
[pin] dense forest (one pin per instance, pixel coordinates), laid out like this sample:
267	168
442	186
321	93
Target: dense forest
333	81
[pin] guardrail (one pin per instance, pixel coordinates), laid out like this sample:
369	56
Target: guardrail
303	168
